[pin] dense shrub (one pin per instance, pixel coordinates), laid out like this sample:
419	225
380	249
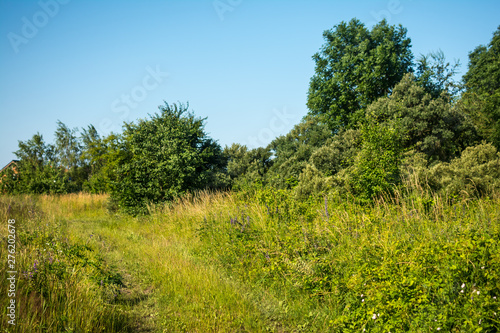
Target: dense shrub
245	167
337	153
375	169
291	152
431	125
312	182
166	156
476	172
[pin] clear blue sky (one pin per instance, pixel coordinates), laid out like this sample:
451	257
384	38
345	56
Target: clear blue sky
245	65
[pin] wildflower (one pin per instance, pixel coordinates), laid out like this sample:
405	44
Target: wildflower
480	321
362	295
374	316
439	328
494	297
362	300
482	267
463	285
478	292
461	291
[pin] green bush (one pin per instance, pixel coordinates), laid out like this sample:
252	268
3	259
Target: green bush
338	153
312	182
375	169
475	173
166	156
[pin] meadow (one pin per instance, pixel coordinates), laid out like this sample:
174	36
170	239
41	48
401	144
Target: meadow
254	261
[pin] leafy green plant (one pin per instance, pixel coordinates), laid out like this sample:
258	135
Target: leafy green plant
166	156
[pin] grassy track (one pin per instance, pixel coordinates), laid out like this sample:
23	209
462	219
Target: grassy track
165	289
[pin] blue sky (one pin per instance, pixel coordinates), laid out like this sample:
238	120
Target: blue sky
245	65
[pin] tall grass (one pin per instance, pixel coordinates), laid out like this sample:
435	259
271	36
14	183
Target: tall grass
258	262
332	264
57	287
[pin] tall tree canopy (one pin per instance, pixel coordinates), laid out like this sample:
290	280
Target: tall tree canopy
356	66
482	82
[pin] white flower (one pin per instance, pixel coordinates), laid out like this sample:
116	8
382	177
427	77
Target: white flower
494	297
362	295
362	300
374	316
461	291
478	292
480	321
463	285
439	328
482	267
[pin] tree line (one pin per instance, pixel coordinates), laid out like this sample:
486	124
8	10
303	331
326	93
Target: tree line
379	120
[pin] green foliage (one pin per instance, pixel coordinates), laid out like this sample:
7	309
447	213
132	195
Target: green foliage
375	169
338	153
435	75
476	172
103	156
247	168
431	125
293	150
67	147
312	182
355	67
71	165
482	81
36	171
165	157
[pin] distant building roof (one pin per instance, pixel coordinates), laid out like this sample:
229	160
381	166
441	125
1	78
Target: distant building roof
9	164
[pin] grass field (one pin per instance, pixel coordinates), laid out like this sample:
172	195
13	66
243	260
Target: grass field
254	262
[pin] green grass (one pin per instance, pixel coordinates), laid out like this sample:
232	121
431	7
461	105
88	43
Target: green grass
256	262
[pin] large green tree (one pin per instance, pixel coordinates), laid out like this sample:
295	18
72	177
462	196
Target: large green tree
482	82
164	157
355	67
